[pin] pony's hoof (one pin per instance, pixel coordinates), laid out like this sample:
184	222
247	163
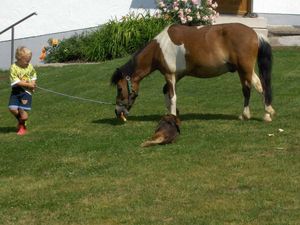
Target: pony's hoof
272	112
267	117
269	109
244	117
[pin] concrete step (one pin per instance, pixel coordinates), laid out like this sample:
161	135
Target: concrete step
259	24
291	41
284	35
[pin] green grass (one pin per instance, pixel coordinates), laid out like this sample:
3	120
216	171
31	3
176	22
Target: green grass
78	165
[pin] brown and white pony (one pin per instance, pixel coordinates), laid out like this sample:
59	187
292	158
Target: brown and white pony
205	51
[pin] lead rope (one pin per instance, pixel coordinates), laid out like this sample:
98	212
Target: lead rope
74	97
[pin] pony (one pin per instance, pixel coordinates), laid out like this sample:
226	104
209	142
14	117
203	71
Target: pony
199	51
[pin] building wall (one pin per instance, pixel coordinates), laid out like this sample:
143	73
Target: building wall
278	12
61	19
60	16
276	7
35	44
57	19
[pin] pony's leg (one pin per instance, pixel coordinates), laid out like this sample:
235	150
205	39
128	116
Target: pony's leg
167	97
269	111
170	94
264	62
246	115
248	78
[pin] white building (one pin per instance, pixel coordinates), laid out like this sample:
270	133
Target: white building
61	19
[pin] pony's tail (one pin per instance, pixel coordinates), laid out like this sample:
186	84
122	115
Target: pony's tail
264	61
152	142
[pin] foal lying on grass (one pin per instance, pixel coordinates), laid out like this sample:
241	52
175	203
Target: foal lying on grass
166	131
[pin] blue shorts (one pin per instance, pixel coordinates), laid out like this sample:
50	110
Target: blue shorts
20	101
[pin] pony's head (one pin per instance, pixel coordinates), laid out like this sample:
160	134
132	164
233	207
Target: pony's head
127	88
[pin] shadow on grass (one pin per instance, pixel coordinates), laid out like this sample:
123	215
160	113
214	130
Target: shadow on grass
210	116
183	117
114	121
7	130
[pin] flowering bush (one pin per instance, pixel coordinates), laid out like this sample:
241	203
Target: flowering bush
188	12
114	39
66	50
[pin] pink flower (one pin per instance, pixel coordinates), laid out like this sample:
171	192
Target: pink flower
195	2
205	18
183	20
188	10
209	2
214	6
161	4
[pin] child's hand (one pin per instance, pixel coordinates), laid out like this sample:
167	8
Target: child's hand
31	85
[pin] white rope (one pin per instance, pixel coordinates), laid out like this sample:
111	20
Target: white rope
74	97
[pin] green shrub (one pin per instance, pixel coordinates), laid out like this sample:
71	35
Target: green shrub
71	49
115	39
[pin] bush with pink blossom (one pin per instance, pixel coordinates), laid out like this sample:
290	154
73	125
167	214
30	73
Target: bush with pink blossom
188	12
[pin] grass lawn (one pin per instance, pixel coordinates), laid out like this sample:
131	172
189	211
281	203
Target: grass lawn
79	165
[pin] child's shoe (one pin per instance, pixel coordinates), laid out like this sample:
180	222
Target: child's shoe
20	124
22	130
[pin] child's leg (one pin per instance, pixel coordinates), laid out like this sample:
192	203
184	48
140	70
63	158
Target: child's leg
23	116
20	114
18	106
15	112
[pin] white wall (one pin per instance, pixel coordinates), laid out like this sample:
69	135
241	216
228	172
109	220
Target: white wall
66	15
276	6
60	16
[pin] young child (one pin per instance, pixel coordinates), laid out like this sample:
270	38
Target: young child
23	82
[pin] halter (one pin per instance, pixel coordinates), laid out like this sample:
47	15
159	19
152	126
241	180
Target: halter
130	91
129	85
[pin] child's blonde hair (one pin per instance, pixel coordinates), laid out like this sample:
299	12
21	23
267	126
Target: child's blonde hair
22	51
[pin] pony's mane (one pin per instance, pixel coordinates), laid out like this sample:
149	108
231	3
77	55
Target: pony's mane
127	69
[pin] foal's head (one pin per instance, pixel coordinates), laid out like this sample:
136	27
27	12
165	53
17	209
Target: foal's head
127	88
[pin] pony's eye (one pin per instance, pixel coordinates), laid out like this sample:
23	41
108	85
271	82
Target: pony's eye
119	90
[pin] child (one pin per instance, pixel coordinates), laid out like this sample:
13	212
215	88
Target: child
22	77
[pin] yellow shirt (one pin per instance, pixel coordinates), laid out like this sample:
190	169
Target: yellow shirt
18	74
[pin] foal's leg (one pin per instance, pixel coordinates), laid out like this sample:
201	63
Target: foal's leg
170	94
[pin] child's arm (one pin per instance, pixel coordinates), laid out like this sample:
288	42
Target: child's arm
29	85
17	81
